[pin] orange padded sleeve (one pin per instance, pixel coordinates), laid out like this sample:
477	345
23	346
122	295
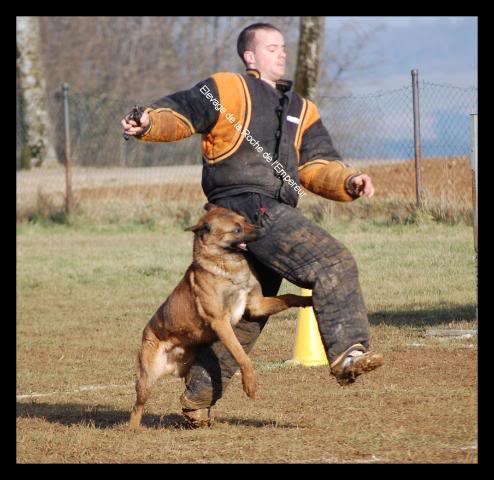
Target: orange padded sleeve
328	179
166	126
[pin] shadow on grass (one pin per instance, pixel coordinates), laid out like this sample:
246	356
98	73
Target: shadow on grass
98	416
249	422
424	318
102	417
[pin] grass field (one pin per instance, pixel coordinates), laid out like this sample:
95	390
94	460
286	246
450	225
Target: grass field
85	291
153	193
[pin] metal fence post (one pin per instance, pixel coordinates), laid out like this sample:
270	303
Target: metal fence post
68	157
473	163
416	137
475	195
18	136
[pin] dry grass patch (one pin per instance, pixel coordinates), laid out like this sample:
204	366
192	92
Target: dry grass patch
85	292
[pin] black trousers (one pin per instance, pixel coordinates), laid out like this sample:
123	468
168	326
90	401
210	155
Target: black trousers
291	247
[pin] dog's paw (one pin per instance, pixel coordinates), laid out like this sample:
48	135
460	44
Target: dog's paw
306	302
249	384
135	427
135	421
300	301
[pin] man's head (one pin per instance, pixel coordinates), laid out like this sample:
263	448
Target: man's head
262	46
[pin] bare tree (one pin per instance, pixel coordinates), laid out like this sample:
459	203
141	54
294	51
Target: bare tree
38	149
147	57
111	63
143	58
311	42
347	53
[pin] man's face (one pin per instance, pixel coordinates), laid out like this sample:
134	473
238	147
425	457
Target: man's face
268	54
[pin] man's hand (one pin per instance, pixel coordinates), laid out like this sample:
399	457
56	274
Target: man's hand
131	127
362	184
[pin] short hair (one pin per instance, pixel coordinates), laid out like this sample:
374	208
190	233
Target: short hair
245	40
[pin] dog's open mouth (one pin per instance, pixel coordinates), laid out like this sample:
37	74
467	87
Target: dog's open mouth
238	246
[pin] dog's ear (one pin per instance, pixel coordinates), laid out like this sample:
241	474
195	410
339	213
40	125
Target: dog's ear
199	228
209	206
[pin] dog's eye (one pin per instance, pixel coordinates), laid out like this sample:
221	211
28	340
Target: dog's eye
238	228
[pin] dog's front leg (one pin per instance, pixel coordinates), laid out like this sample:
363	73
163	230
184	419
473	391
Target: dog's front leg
225	333
259	306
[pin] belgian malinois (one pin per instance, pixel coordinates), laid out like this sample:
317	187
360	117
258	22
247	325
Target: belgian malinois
218	288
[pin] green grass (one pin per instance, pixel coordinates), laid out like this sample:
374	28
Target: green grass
85	291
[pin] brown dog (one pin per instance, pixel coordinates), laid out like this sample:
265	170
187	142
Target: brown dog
215	292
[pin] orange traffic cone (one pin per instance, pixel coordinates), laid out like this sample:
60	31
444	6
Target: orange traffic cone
309	350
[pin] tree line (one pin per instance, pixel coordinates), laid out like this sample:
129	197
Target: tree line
140	59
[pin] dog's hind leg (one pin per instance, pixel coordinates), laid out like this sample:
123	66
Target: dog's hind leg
152	366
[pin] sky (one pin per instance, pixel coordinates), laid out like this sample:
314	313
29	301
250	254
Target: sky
443	49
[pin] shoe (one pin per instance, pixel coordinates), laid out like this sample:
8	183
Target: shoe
198	418
354	362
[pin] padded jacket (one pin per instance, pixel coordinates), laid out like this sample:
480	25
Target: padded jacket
255	138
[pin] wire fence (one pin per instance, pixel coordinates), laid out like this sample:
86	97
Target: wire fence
374	132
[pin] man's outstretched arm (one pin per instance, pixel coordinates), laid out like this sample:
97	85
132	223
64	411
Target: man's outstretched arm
174	117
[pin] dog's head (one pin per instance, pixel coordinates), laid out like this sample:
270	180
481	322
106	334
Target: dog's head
223	229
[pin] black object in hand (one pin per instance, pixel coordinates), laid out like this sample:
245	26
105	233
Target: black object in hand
135	115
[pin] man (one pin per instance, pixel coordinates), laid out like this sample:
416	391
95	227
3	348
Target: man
260	142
